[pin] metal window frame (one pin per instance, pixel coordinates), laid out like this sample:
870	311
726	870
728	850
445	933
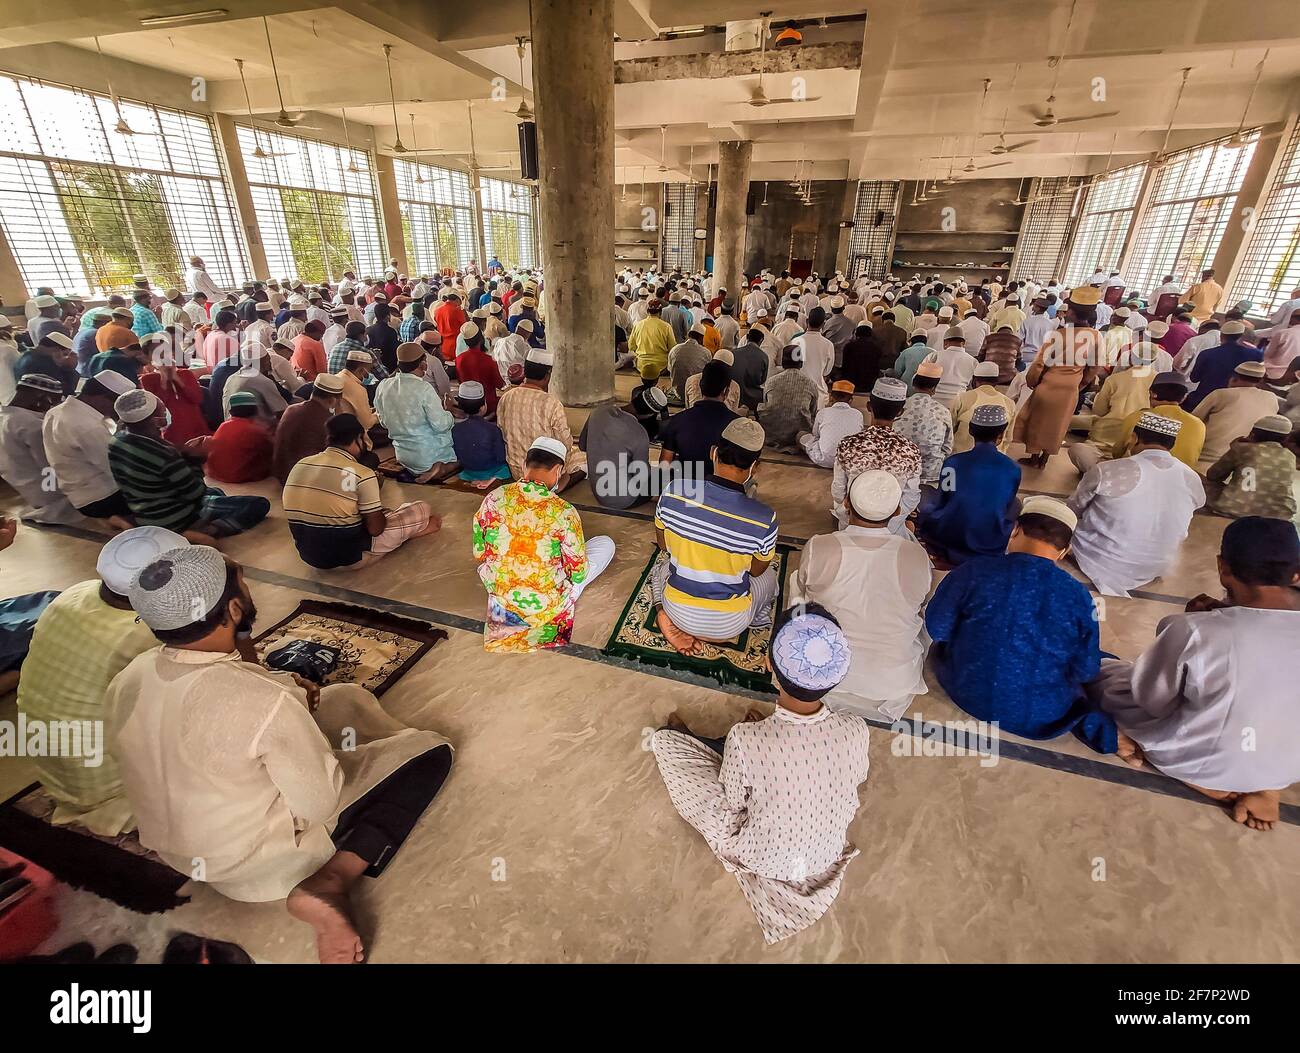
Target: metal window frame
1269	266
1110	216
454	194
871	244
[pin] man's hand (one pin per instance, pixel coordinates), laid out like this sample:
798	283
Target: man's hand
313	692
1204	602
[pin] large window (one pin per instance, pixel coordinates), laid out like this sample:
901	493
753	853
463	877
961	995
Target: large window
679	227
85	206
315	205
437	217
1045	229
1104	219
1270	269
508	222
875	214
1193	194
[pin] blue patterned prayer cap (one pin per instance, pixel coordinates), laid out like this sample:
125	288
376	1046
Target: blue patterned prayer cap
989	415
809	652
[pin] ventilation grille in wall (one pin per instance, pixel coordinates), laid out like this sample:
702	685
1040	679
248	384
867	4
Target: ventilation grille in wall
679	227
874	216
1045	231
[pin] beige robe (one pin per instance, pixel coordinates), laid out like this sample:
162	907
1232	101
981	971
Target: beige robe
232	779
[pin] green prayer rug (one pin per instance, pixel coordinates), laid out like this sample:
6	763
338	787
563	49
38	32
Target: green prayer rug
736	663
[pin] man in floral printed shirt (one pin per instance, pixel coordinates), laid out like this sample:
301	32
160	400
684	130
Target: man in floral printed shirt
532	557
879	447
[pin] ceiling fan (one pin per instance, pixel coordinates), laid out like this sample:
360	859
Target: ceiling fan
759	96
524	113
121	127
1003	148
663	140
1048	118
352	167
258	152
284	119
1240	137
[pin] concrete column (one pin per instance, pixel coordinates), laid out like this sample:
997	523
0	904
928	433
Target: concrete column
391	211
1254	190
573	79
729	226
13	290
848	206
243	197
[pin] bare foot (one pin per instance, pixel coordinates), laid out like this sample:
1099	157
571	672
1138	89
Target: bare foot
1259	810
328	912
678	639
432	527
1129	751
675	723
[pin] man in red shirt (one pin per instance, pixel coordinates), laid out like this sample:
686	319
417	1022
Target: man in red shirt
449	317
241	450
476	364
309	358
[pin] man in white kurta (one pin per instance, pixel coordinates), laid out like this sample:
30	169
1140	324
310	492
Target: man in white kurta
833	422
1134	512
874	582
1212	701
233	779
23	463
774	802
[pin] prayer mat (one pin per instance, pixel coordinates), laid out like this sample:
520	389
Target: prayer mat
739	663
376	649
116	868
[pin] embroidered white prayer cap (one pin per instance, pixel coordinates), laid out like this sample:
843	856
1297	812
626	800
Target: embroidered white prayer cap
420	291
1122	312
810	651
330	383
358	355
986	369
179	588
494	308
655	398
1157	328
469	330
725	357
46	301
131	551
40	382
1233	328
549	445
946	312
1052	508
890	389
135	406
470	389
746	433
837	303
61	339
264	307
989	415
541	357
954	332
526	324
1159	424
113	381
1254	370
875	495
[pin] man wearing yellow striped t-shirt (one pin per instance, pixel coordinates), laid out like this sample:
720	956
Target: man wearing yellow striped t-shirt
716	579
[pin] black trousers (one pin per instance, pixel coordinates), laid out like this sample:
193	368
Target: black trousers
376	823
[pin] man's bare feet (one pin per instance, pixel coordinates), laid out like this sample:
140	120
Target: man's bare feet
1129	751
432	527
678	639
322	902
1259	810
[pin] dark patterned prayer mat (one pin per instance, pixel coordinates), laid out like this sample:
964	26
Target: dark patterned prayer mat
376	649
740	662
117	868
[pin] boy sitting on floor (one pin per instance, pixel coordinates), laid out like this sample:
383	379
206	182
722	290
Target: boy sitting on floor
478	443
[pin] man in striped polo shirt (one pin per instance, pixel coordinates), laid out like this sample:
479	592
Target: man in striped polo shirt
717	579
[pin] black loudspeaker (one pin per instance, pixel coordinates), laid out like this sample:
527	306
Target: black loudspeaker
528	150
751	205
713	196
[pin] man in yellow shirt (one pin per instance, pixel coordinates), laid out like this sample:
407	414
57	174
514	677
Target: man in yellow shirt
1167	393
1204	296
650	340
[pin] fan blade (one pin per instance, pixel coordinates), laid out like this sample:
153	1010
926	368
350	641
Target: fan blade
980	168
764	101
1090	117
1019	146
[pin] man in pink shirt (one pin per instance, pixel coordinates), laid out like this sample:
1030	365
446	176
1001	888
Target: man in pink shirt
309	359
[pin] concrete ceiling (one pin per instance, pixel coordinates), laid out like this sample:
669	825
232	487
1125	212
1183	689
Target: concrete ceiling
891	90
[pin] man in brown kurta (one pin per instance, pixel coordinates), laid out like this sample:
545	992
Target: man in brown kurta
301	432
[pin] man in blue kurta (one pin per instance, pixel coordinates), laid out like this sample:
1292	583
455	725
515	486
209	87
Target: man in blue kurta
1015	636
974	510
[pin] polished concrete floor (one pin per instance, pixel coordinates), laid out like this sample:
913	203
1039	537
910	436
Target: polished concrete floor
554	841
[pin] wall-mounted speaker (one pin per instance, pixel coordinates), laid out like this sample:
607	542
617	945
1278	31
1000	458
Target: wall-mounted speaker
751	205
528	150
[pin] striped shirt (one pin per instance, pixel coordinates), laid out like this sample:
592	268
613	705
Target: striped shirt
161	487
713	532
325	499
337	359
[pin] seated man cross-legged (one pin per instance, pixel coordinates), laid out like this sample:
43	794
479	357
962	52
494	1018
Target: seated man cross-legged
332	503
247	779
716	579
